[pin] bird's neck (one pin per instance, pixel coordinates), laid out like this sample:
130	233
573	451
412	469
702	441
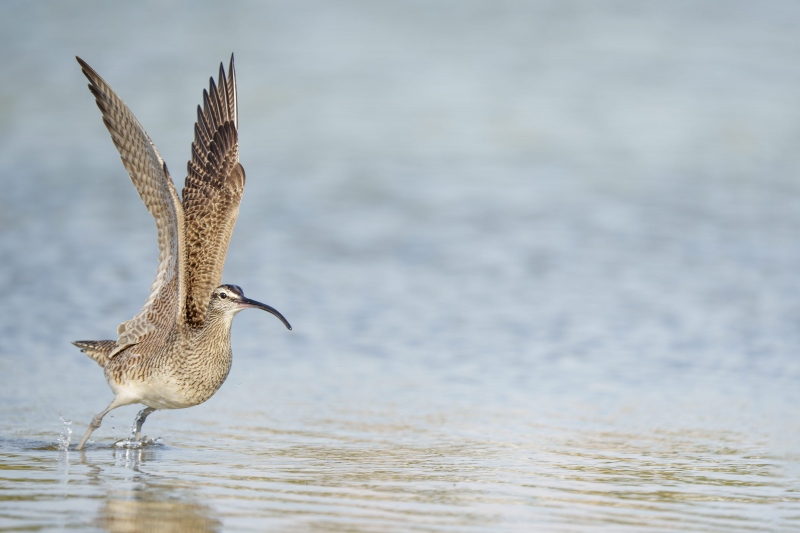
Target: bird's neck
208	350
216	331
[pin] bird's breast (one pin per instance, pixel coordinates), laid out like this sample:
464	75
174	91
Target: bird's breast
183	374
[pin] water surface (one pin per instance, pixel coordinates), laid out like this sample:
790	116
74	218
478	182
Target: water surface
540	260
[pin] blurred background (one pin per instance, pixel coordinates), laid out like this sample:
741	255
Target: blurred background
540	259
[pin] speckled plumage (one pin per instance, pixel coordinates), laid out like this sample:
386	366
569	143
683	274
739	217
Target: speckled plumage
176	351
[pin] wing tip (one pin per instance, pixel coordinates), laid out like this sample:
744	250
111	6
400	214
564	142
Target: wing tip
86	69
232	84
96	81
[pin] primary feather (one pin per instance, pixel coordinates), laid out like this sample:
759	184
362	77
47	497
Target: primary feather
212	193
193	234
149	175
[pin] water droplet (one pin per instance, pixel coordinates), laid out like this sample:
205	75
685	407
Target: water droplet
66	434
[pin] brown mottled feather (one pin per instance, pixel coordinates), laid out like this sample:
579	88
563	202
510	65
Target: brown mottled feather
97	350
211	195
150	177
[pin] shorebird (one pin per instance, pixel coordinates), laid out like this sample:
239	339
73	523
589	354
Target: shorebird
176	352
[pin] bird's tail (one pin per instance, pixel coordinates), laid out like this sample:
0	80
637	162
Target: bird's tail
97	350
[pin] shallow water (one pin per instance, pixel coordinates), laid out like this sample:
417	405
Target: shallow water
540	260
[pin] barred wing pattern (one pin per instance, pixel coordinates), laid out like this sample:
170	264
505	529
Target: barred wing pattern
212	193
149	175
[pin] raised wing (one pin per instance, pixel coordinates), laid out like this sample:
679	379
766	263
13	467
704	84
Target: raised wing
150	177
212	193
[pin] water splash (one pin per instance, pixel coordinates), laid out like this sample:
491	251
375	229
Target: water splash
62	445
66	434
132	443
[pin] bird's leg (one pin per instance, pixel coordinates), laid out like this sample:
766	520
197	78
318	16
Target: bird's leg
139	420
96	421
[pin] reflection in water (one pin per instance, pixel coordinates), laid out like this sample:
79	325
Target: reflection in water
153	511
151	504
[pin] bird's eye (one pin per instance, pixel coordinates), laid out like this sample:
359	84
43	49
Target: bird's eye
223	295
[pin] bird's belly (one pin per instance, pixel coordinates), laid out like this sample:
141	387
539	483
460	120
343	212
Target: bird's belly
168	387
175	378
159	392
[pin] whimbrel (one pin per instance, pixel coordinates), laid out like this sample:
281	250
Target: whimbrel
176	352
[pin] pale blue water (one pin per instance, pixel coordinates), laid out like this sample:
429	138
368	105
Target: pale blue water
541	260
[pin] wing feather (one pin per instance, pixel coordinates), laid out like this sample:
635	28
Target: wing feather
149	175
212	193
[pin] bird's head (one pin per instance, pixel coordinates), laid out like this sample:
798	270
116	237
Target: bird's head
227	300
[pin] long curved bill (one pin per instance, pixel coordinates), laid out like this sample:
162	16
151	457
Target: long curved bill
247	302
